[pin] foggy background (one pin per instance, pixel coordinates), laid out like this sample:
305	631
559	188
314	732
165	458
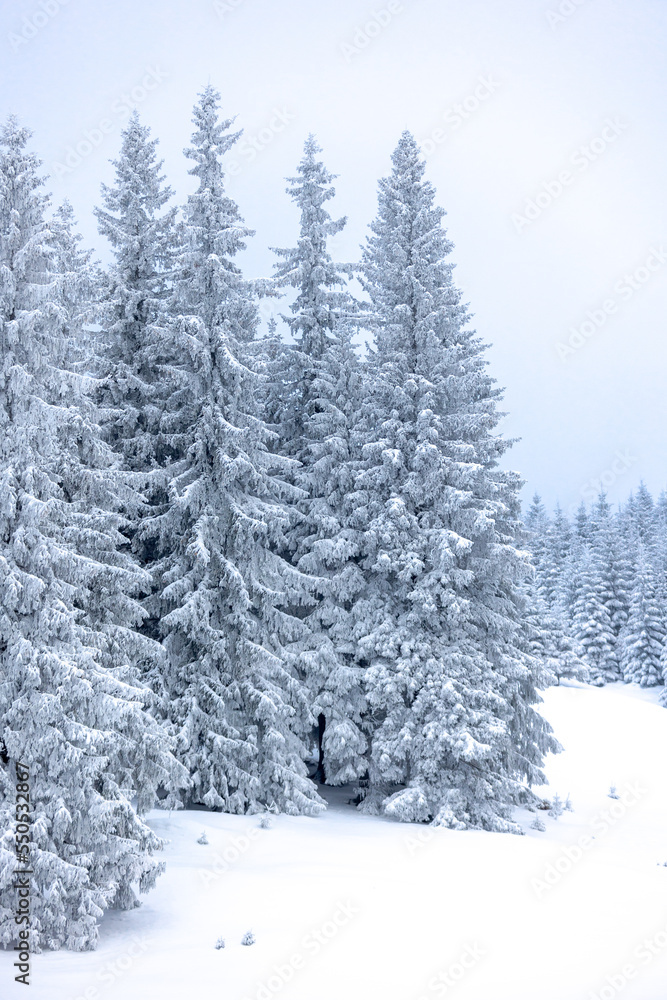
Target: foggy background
557	103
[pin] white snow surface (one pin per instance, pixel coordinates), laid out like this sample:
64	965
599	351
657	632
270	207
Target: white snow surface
397	906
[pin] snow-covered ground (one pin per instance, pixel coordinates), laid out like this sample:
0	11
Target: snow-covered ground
347	907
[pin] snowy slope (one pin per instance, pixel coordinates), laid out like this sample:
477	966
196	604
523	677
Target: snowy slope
346	906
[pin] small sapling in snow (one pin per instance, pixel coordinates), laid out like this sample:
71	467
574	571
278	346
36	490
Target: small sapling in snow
557	807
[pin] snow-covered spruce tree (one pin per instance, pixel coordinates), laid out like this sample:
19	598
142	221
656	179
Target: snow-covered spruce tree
591	618
107	487
643	640
137	365
582	527
545	615
70	708
80	281
640	516
136	374
616	568
330	551
661	513
660	570
226	596
322	299
455	738
558	547
313	405
537	525
549	638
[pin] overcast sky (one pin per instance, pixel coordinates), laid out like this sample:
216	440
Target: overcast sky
543	126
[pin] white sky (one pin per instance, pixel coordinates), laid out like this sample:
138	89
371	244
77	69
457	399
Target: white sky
551	89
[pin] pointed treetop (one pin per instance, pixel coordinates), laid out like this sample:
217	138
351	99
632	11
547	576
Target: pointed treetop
313	183
13	134
211	138
132	204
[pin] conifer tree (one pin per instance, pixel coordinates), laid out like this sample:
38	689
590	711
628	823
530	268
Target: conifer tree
558	549
313	408
322	300
643	641
592	623
546	616
79	283
71	707
137	375
616	570
537	525
229	603
640	514
582	524
455	737
330	552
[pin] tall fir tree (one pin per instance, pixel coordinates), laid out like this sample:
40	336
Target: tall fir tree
537	525
228	601
643	639
79	283
71	707
455	737
558	549
640	515
546	615
321	301
313	406
138	373
591	618
582	524
142	234
617	571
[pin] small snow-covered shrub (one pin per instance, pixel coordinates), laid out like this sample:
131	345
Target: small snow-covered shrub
613	794
265	823
203	839
557	807
220	943
538	824
248	938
